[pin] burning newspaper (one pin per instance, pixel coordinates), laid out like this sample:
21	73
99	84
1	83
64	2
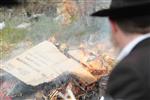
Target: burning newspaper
43	63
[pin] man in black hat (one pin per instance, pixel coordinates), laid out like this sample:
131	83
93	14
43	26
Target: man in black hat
130	24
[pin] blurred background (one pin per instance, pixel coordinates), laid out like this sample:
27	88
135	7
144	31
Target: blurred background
30	22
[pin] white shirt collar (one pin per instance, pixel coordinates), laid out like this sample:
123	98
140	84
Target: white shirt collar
128	48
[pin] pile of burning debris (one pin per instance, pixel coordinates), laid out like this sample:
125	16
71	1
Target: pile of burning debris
66	86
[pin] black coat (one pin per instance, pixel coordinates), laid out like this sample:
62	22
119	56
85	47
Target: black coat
130	79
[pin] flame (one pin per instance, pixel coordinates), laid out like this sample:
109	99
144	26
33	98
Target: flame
52	39
63	46
83	53
98	64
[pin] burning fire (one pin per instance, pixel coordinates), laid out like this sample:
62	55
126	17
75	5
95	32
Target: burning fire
52	39
97	63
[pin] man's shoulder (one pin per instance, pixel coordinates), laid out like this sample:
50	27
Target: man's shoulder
137	62
131	73
138	58
139	55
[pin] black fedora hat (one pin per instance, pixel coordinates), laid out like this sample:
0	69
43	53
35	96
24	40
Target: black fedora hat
125	8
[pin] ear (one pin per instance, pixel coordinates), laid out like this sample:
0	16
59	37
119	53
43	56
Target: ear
114	26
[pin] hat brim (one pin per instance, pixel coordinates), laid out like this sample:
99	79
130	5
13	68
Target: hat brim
128	11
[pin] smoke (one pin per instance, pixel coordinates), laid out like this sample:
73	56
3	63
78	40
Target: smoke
85	29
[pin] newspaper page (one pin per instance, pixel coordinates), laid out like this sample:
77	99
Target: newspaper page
44	63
